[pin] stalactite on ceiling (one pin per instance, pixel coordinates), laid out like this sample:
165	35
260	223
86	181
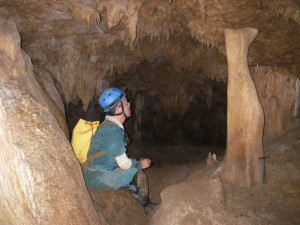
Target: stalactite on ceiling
288	9
125	11
175	103
161	15
80	81
89	55
85	12
210	37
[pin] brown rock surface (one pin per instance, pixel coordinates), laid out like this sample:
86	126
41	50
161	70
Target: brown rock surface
191	194
245	120
277	92
118	207
41	181
91	39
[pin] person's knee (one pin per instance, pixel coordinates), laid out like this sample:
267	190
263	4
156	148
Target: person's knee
140	181
120	178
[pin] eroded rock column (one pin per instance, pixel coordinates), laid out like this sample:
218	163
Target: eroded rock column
245	120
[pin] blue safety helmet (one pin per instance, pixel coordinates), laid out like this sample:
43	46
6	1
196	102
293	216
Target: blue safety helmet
110	98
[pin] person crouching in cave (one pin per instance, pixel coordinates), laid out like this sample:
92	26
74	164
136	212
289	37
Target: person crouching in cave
114	170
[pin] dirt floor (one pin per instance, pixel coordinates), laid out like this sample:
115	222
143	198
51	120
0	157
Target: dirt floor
189	193
173	164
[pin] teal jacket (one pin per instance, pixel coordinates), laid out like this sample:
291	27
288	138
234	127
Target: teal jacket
103	173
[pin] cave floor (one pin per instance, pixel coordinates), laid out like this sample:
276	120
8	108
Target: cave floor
276	202
172	164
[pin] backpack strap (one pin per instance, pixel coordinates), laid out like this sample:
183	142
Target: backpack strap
101	152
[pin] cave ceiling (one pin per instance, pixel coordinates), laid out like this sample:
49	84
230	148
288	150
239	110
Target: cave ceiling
118	35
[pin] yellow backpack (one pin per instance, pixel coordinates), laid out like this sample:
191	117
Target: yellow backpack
82	136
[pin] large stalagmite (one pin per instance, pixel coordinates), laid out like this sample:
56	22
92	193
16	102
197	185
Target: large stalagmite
245	119
41	181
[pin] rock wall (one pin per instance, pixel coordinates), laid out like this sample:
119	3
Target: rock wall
277	90
80	43
41	180
52	97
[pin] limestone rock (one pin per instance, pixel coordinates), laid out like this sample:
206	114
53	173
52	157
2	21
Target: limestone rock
52	98
83	42
277	91
185	203
41	180
242	165
118	207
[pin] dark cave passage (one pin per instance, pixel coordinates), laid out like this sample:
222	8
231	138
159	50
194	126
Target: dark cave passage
168	108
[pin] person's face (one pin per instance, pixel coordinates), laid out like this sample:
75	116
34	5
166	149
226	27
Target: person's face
126	106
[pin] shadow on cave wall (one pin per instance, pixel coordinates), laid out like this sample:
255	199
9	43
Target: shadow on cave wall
75	112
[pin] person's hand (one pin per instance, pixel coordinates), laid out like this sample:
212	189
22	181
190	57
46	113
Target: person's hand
145	163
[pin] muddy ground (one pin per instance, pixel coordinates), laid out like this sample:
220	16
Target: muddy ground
190	193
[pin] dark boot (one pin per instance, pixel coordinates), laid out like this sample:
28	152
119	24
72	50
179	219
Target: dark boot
140	182
149	206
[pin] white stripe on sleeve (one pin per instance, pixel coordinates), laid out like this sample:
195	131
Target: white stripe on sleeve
123	161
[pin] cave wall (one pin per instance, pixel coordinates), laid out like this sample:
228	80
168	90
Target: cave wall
278	93
41	180
170	105
88	45
81	42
